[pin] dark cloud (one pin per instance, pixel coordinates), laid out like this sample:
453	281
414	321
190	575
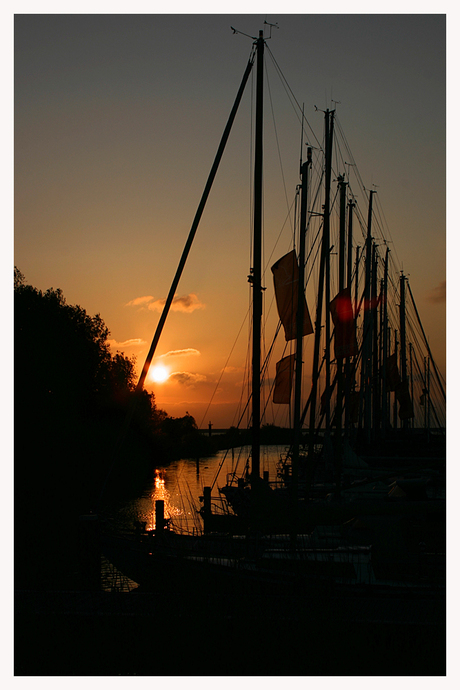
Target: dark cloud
186	378
188	303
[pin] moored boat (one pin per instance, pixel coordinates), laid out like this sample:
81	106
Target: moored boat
266	540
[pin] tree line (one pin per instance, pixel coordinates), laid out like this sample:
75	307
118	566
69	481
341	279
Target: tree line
71	398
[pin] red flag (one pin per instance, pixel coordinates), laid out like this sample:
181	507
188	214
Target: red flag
283	381
286	279
345	344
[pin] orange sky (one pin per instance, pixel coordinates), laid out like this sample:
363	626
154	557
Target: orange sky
117	120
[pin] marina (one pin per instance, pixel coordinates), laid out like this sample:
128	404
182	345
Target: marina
309	537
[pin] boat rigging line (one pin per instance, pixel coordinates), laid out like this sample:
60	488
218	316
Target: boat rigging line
180	268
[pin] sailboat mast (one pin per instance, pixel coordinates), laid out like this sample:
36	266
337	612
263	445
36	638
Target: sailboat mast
395	406
348	369
375	350
411	379
325	247
351	206
327	235
402	329
338	409
257	265
299	325
366	364
342	221
356	310
385	347
428	388
342	239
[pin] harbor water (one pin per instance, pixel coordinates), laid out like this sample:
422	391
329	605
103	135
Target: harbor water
180	485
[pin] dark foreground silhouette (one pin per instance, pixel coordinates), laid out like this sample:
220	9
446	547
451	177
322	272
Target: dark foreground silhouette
71	396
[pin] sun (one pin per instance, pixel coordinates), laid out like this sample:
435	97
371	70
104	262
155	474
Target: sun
159	373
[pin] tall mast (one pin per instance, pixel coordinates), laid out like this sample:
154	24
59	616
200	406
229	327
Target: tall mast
411	380
402	326
329	120
366	365
348	378
375	349
356	282
299	325
338	409
319	304
425	399
385	346
342	222
351	206
428	388
257	267
402	329
395	406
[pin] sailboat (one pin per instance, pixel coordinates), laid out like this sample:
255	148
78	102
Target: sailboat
358	415
277	545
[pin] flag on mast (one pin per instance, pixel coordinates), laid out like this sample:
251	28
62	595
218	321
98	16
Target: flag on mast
345	344
283	380
286	280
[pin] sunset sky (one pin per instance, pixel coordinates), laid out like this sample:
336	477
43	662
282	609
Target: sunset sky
117	121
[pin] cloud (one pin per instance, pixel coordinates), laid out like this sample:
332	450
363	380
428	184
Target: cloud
186	378
139	300
438	294
133	342
232	370
187	303
182	353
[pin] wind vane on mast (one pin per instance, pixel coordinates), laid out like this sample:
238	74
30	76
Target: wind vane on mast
275	25
237	31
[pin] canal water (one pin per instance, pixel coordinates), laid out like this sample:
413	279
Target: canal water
180	485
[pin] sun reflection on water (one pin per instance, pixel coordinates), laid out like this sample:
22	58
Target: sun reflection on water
181	485
160	493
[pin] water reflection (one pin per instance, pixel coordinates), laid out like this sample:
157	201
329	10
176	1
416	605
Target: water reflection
180	485
160	493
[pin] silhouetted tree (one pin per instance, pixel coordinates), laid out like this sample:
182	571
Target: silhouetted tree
71	399
71	396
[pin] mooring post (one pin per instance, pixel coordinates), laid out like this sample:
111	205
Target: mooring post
206	507
159	517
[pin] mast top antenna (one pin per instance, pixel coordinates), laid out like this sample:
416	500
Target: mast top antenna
237	31
261	32
275	26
